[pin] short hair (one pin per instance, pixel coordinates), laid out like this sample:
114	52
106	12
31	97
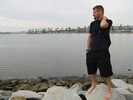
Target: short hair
99	8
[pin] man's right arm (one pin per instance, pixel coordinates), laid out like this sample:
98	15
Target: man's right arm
89	41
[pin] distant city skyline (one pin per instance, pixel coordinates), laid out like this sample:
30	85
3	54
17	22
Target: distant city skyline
21	15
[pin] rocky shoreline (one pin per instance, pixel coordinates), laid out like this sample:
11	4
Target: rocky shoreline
41	84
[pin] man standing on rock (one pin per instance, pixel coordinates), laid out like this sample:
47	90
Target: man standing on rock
98	55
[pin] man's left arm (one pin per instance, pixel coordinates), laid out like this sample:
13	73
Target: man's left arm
104	23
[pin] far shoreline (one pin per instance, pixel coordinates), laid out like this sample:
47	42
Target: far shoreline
24	32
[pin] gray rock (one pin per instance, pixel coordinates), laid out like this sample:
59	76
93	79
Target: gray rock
50	84
29	95
128	95
75	88
121	77
36	81
32	82
43	87
25	87
99	92
69	84
80	85
130	88
130	81
86	85
14	82
6	85
61	83
100	80
62	93
23	82
40	87
121	84
41	79
125	80
53	81
36	87
1	97
5	82
18	98
16	88
5	95
8	88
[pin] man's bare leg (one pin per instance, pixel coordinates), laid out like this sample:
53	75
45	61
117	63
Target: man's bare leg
108	91
93	84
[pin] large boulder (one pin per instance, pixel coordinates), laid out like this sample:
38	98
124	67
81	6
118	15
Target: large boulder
18	98
99	93
22	94
5	95
121	84
123	88
128	95
62	93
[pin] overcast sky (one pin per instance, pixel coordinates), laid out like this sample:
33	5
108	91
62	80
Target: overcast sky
19	15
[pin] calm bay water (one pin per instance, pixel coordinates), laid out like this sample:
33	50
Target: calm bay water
55	55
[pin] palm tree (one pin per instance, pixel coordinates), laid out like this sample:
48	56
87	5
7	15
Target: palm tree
120	27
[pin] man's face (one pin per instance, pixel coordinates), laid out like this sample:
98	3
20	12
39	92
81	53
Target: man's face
96	14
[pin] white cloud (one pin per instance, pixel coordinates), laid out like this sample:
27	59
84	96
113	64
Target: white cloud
8	24
23	14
